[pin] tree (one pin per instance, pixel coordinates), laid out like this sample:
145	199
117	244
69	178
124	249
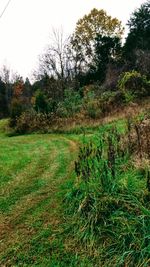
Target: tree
96	23
5	76
41	103
143	62
107	50
3	103
55	68
21	100
139	33
54	61
27	88
94	41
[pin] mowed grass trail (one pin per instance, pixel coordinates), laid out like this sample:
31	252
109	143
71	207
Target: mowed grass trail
32	171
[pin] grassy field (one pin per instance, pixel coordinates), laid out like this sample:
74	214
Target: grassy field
32	170
40	199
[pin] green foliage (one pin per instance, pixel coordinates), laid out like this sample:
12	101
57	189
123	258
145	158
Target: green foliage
97	22
41	103
109	101
106	49
16	110
3	126
109	203
95	39
3	98
90	103
70	105
93	109
135	83
99	104
139	31
128	97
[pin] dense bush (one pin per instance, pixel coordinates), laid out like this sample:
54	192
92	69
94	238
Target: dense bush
109	101
70	105
16	110
91	103
41	103
134	83
109	203
32	121
98	105
93	109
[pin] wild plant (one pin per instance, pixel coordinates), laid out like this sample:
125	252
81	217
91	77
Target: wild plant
110	201
99	161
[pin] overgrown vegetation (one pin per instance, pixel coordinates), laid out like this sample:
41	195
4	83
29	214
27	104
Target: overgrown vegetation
100	214
109	203
92	92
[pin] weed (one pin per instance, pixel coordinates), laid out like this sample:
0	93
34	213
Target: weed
109	205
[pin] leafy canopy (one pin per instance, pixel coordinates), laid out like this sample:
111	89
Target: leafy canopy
97	22
139	26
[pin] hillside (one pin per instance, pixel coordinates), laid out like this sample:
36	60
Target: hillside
39	222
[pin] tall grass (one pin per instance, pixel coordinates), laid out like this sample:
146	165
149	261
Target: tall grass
109	205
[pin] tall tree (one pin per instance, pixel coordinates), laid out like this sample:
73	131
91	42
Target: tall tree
54	61
139	33
106	50
3	102
96	23
5	76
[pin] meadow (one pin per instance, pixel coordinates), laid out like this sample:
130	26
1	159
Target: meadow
75	148
32	170
57	210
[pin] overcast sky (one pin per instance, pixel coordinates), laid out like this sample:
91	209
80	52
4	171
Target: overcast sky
26	25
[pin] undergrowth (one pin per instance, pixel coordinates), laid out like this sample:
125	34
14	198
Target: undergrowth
109	204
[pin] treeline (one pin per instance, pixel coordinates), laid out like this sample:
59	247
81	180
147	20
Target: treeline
88	73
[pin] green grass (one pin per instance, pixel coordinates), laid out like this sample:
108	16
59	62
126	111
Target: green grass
40	196
110	213
35	171
32	170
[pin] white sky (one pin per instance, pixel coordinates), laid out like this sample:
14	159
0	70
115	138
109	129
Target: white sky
26	26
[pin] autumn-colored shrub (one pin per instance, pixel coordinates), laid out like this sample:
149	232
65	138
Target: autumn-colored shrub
32	121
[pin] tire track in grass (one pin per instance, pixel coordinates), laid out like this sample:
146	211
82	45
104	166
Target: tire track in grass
39	210
29	179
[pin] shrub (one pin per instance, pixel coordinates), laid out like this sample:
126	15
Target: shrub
93	109
110	100
41	103
109	203
91	104
135	83
70	105
16	110
128	97
32	121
